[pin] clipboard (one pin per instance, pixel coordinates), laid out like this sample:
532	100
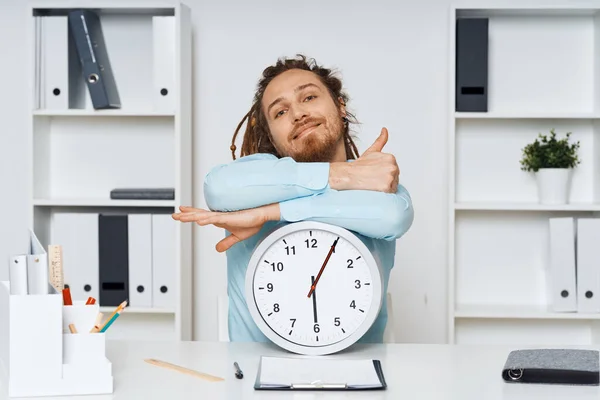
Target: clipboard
281	373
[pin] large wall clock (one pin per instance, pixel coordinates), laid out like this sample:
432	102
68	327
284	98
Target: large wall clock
313	288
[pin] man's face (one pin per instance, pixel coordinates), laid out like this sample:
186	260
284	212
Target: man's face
304	121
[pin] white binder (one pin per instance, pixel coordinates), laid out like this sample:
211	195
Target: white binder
163	48
55	62
588	265
163	261
140	259
561	278
78	235
17	271
37	267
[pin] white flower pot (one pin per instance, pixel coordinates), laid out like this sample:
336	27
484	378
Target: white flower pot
553	185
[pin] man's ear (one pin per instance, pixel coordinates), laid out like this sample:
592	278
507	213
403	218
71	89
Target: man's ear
342	107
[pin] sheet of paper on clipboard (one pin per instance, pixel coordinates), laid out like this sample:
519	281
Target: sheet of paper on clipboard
319	373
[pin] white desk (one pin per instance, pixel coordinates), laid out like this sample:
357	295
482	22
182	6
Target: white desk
412	372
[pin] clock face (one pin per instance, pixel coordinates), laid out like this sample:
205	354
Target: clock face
342	304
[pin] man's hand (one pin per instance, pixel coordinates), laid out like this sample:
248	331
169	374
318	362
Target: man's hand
373	170
242	224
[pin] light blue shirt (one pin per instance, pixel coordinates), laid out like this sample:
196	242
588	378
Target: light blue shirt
303	193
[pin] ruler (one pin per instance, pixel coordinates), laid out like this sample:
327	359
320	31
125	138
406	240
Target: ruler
55	266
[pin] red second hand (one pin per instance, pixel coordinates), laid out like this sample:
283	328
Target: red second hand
314	285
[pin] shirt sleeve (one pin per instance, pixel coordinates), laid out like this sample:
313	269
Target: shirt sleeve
373	214
261	179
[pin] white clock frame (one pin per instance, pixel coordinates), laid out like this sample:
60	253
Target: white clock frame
377	287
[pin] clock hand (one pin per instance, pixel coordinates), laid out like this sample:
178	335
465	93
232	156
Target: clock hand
314	285
312	282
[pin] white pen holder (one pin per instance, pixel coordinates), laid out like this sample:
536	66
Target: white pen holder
39	358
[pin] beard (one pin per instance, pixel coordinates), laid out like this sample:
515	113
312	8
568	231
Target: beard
318	146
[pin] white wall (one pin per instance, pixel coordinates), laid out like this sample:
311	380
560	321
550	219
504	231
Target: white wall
393	59
13	125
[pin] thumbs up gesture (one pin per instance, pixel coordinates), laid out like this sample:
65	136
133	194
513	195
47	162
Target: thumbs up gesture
374	170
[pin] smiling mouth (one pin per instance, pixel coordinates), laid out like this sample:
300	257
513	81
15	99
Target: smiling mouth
306	131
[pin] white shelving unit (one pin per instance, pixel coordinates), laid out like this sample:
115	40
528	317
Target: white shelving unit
544	73
78	154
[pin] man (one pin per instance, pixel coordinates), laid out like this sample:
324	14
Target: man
298	162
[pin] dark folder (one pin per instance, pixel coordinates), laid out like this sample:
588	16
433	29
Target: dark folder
113	246
553	366
86	31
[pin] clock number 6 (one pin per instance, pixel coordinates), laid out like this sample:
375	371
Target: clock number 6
316	328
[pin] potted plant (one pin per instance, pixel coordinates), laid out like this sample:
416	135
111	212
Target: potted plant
552	160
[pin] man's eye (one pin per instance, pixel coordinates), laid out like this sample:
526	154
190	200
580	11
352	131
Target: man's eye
279	113
310	97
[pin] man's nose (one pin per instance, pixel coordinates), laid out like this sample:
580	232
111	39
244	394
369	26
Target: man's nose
299	113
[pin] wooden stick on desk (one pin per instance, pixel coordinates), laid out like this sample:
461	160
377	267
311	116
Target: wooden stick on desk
183	370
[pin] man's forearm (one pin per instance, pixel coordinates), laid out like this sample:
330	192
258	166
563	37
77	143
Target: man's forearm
374	214
261	179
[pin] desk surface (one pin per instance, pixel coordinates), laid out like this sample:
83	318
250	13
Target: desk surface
412	371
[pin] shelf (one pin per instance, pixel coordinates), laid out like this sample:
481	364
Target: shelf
525	115
103	113
100	202
517	312
540	76
524	206
488	154
77	155
138	310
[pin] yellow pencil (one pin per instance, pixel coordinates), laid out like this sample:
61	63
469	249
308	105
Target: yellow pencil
119	309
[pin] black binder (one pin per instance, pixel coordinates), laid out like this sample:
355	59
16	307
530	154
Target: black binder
472	64
113	251
86	31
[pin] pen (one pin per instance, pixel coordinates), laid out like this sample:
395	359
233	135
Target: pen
238	372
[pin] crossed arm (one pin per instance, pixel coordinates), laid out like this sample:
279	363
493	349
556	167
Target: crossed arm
302	191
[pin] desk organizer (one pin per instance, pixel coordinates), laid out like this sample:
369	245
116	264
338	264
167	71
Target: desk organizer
39	356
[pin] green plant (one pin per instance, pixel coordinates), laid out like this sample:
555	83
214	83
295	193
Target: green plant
550	152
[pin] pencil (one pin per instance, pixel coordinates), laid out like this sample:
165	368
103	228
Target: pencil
72	328
67	297
96	327
109	322
178	368
119	308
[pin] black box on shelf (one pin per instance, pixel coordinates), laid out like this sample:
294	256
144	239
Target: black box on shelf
472	64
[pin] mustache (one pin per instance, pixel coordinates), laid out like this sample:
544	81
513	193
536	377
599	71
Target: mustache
309	122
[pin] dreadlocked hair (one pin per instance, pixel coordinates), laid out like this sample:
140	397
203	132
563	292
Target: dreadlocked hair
257	137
